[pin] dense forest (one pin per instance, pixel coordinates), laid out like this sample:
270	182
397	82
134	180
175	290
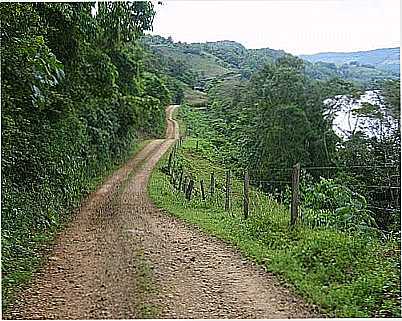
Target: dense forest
278	119
78	94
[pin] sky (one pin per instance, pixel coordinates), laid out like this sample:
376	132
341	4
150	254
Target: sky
296	26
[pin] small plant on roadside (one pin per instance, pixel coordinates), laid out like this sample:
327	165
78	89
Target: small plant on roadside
331	204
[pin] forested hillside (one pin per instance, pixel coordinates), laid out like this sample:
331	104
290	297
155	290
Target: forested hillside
384	59
227	58
78	95
286	112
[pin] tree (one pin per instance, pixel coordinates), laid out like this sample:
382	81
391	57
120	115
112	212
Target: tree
75	97
391	91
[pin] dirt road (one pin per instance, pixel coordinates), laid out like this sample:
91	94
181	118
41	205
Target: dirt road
121	257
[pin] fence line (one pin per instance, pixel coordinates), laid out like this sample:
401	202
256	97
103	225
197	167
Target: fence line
259	182
325	167
222	189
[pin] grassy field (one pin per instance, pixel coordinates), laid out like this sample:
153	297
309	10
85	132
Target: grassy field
346	275
207	64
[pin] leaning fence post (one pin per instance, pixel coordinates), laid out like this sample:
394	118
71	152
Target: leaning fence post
189	189
227	200
212	185
295	194
202	190
245	193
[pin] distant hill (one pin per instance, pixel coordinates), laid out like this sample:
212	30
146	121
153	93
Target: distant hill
239	58
213	59
198	63
386	59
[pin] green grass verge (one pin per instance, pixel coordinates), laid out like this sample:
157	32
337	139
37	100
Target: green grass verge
346	275
146	288
182	125
21	268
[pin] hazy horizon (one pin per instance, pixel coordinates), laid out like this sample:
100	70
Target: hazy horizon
302	54
300	27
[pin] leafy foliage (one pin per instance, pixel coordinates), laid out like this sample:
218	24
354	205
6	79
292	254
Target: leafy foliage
331	204
76	99
279	118
276	119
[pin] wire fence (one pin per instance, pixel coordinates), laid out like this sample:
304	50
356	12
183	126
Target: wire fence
248	191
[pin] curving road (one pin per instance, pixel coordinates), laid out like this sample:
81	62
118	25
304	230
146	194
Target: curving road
121	257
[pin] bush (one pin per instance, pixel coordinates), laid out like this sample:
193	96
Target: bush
331	204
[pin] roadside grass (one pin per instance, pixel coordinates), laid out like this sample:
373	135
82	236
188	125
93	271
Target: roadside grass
182	125
146	287
345	275
32	253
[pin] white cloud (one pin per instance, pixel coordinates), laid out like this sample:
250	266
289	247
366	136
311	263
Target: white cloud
297	26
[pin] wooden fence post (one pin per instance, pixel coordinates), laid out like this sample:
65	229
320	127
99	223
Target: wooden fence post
172	178
197	145
170	163
212	185
180	180
189	189
173	164
185	184
228	187
202	190
295	194
245	193
175	151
